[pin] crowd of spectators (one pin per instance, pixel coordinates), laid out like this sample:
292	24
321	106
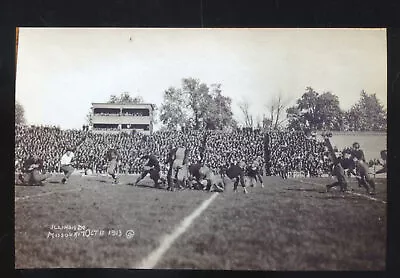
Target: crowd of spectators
223	149
291	151
49	143
137	114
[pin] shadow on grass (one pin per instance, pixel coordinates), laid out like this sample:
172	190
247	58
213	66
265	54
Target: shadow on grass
56	182
307	190
144	185
29	185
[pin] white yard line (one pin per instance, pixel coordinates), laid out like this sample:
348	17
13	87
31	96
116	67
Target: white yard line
44	194
354	193
152	259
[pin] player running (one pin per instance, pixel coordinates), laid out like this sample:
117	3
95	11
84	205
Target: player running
31	172
363	176
67	160
113	157
177	161
253	171
152	168
235	174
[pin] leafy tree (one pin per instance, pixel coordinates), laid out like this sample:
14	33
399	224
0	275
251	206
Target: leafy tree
219	113
195	107
198	99
368	114
125	98
172	111
315	111
89	118
19	113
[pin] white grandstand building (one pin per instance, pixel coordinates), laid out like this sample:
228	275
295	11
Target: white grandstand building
113	117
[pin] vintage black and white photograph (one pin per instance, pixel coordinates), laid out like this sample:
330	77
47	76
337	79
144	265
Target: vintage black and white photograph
221	149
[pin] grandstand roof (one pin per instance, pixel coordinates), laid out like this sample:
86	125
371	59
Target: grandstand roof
122	104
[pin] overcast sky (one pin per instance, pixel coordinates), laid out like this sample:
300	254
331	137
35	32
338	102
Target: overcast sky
60	72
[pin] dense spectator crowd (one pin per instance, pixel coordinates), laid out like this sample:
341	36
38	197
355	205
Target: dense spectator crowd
131	147
291	152
137	114
49	143
288	151
224	149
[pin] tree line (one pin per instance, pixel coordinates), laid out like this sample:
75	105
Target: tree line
196	105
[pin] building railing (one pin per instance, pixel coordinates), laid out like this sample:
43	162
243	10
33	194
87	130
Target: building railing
121	114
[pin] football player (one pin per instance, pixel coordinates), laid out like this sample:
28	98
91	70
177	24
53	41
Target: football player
358	152
204	178
31	172
113	157
363	176
177	171
194	176
152	168
338	172
235	174
383	163
66	164
253	171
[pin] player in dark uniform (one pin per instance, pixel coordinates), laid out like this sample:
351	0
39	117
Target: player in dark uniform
363	176
113	158
31	172
236	174
358	152
152	168
204	178
194	178
384	163
253	171
338	172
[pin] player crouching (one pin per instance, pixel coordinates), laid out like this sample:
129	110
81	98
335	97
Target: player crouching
152	168
202	178
31	172
235	174
338	172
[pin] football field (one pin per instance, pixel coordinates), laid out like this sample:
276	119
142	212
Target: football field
290	224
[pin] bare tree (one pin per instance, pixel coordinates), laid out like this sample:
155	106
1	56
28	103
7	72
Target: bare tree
248	118
277	106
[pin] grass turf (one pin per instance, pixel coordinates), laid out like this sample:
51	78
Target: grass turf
288	225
